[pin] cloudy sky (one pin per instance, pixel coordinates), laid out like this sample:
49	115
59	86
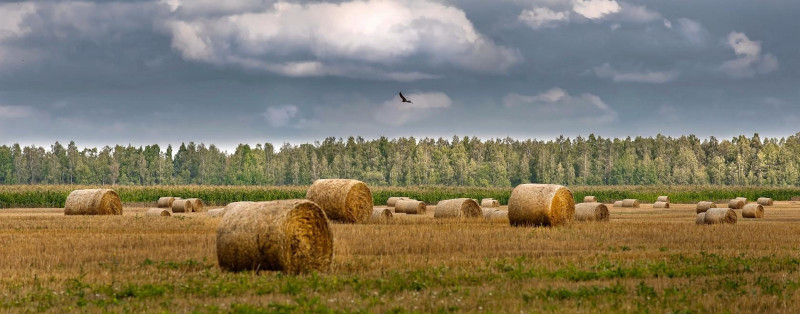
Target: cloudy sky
225	72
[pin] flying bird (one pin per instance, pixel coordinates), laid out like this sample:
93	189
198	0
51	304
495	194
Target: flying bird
404	98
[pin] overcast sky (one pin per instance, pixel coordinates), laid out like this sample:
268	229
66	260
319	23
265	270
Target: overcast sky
225	72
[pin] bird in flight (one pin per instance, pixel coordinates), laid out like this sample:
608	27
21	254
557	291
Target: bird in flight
404	98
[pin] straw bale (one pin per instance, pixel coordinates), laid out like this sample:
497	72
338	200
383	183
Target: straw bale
182	206
618	204
457	208
719	216
197	204
735	204
487	212
765	201
165	202
342	199
590	199
158	212
753	211
630	203
411	207
663	198
216	212
381	215
661	205
490	202
700	219
702	207
393	200
499	215
93	202
591	212
541	205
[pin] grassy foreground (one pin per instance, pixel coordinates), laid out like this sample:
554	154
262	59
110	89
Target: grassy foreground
642	260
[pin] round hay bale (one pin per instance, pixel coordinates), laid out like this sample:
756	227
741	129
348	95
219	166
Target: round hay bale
700	219
590	199
410	207
490	202
457	208
393	200
735	204
342	199
93	202
540	205
499	215
765	201
216	212
381	215
182	206
753	211
702	207
165	202
661	205
591	212
719	216
618	204
487	212
630	203
663	198
197	204
288	235
158	212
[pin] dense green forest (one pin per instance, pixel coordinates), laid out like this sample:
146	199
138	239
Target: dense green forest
460	161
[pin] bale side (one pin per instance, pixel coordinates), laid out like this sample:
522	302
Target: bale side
591	212
165	202
702	207
158	212
197	204
663	198
735	204
381	215
457	208
744	200
661	205
410	207
93	202
292	236
342	199
487	212
393	200
182	206
700	219
499	215
216	212
753	211
765	201
630	203
720	216
618	204
490	202
541	205
590	199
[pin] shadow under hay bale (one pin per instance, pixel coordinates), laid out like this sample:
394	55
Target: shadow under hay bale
591	212
753	211
182	206
410	207
541	205
93	202
457	208
165	202
702	207
158	212
342	199
719	216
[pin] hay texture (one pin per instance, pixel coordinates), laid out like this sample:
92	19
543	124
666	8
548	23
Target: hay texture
591	212
216	212
182	206
541	205
663	198
702	207
490	202
700	219
197	204
158	212
410	207
381	215
744	200
661	205
499	215
342	200
292	236
93	202
764	201
634	203
457	208
719	216
590	199
393	200
735	204
753	211
618	204
165	202
487	212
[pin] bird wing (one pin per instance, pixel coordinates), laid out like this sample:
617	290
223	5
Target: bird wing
401	96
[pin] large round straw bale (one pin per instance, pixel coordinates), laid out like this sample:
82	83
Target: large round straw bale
197	204
661	205
411	207
702	207
165	202
744	199
499	215
342	199
735	204
393	200
216	212
487	212
490	202
93	202
663	198
158	212
540	205
618	204
381	215
765	201
182	206
591	212
700	219
456	208
719	216
288	235
753	211
630	203
590	199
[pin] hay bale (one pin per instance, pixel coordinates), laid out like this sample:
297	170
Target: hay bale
410	207
216	212
342	199
393	200
719	216
700	219
735	204
630	203
487	212
499	215
765	201
457	208
744	200
197	204
158	212
591	212
618	204
664	199
661	205
541	205
490	202
165	202
381	215
93	202
702	207
590	199
753	211
289	235
182	206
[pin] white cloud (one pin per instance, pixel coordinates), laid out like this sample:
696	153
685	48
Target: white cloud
653	77
692	30
538	18
15	112
638	13
556	13
11	16
667	23
557	104
749	58
396	113
280	116
595	9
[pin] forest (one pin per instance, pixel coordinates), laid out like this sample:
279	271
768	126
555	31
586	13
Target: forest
459	161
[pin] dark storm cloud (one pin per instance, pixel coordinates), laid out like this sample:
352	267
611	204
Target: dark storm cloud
108	72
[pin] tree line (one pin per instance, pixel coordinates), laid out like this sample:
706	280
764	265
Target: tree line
460	161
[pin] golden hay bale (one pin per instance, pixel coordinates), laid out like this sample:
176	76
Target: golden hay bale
410	207
490	202
719	216
630	203
197	204
753	211
487	212
499	215
591	212
662	198
381	215
217	212
540	205
93	202
735	204
288	235
744	199
661	205
590	199
158	212
702	207
341	199
457	208
618	204
765	201
701	219
182	206
165	202
393	200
